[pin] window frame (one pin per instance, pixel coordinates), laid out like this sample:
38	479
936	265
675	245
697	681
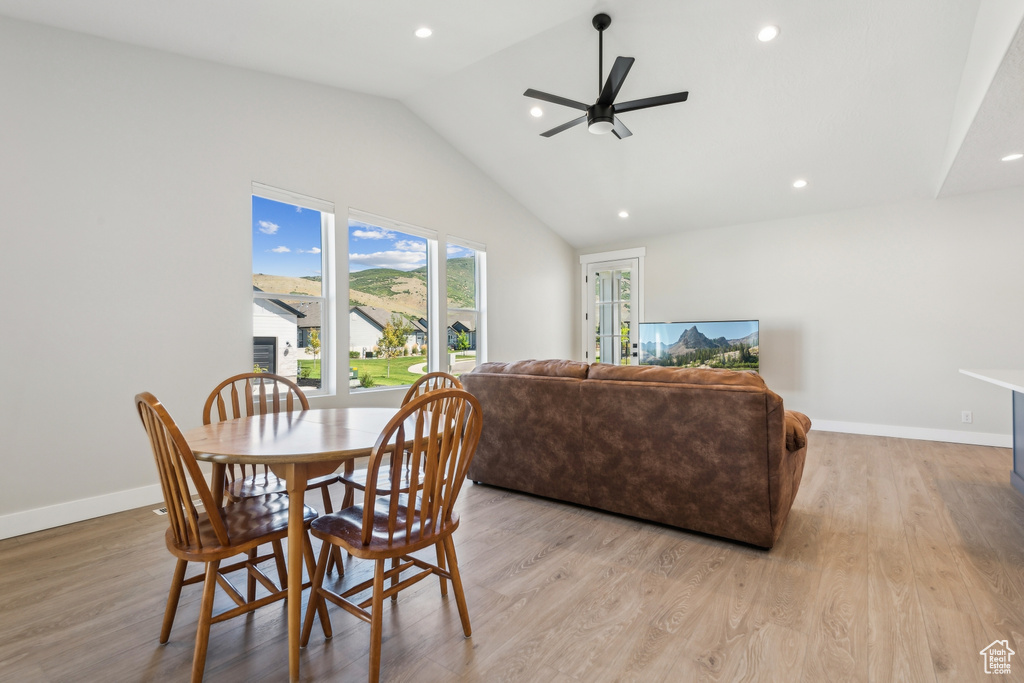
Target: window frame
327	298
434	331
480	278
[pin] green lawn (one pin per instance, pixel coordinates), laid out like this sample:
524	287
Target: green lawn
378	369
312	365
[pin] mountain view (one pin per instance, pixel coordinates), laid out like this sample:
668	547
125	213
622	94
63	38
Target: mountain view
406	291
694	349
388	288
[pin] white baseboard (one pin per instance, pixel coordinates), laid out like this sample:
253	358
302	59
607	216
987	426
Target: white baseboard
28	521
916	433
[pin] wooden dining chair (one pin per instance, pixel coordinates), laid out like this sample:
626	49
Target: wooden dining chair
213	534
355	480
261	393
440	431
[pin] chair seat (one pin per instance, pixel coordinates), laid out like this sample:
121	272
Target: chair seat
345	528
357	479
249	522
262	484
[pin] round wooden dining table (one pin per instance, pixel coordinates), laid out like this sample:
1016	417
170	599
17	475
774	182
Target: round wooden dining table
297	446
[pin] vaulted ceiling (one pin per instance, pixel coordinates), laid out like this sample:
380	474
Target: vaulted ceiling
869	101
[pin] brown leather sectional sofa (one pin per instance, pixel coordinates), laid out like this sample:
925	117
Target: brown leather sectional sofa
712	451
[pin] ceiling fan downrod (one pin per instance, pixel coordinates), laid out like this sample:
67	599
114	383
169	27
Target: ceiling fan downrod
601	22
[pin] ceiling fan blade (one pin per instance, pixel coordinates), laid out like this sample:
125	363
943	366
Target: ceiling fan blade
565	102
633	105
615	78
564	126
620	129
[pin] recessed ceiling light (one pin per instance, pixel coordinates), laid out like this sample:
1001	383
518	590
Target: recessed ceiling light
768	33
1013	157
799	183
424	32
623	214
536	111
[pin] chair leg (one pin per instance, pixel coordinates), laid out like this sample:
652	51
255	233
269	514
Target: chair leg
376	629
316	601
460	596
395	578
172	600
335	560
205	616
440	563
250	593
282	566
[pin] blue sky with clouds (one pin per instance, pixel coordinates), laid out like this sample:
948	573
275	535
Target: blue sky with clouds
286	239
370	246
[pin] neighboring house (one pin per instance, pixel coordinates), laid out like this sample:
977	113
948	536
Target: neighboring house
275	327
457	328
309	323
366	325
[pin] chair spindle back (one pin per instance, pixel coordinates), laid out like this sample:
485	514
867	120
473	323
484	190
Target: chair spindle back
445	426
180	476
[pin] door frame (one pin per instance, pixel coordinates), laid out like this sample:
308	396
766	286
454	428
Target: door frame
635	258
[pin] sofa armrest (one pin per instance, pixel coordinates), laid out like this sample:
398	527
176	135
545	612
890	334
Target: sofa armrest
797	426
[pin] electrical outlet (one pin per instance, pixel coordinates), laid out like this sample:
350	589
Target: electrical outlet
967	416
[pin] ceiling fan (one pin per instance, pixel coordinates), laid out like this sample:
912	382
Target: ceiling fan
601	117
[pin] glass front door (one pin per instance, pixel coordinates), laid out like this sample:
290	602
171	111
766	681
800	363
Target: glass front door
611	312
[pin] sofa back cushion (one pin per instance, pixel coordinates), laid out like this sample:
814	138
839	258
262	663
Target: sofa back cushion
668	375
531	436
684	447
545	368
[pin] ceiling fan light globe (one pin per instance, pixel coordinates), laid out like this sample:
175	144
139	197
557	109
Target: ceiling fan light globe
601	127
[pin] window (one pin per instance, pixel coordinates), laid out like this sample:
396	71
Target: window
392	293
465	285
291	238
613	304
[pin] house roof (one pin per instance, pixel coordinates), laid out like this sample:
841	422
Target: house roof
380	317
285	307
871	101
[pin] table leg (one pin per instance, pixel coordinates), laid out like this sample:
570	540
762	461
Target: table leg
296	482
217	483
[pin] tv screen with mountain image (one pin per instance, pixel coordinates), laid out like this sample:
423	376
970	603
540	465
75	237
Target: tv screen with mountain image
729	344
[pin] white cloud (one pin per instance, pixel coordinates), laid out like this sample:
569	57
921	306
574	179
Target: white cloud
280	250
298	209
400	260
268	228
411	245
373	234
314	250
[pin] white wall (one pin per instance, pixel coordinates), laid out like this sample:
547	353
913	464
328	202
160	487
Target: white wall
866	315
125	181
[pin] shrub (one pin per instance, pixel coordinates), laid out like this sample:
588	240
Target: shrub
366	380
353	354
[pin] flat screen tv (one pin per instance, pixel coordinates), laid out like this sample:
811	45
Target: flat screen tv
731	344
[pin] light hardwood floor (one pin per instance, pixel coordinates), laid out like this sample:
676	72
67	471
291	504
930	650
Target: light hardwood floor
901	560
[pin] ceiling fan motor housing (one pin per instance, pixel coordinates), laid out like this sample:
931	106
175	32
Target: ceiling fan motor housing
600	118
